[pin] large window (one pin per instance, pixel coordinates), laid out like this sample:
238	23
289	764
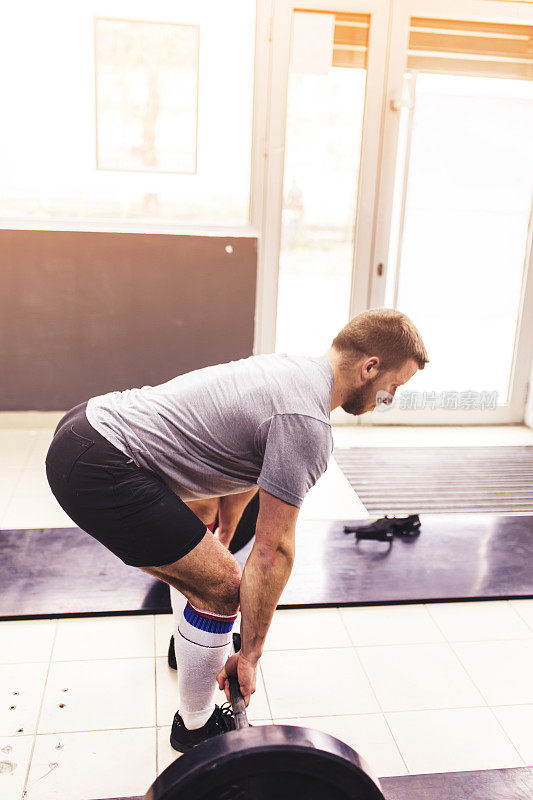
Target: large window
144	114
464	191
146	96
325	105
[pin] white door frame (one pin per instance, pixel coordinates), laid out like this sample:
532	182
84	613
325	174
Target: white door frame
274	156
475	10
262	66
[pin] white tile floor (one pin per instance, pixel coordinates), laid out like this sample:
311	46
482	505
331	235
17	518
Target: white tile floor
86	704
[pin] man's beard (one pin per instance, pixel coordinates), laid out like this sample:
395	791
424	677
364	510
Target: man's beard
361	400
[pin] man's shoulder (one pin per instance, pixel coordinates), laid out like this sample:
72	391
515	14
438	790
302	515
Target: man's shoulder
300	427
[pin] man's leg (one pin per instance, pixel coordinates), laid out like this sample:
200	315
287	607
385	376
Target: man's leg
133	513
209	577
206	510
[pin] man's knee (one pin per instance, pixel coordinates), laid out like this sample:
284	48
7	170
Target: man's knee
208	576
227	594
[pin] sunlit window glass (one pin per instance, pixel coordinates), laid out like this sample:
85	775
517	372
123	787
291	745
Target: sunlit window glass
325	105
463	198
146	96
143	116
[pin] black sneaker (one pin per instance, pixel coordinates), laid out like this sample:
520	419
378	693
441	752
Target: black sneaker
172	653
220	721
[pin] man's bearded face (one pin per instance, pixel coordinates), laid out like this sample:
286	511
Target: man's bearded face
361	399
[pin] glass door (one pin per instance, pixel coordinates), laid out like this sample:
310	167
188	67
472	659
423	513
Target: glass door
325	107
327	83
453	236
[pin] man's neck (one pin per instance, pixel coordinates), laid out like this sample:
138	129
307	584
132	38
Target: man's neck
337	396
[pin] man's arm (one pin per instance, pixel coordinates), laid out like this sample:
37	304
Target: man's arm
230	510
266	572
265	575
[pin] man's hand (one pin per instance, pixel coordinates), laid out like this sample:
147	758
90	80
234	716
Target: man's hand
246	672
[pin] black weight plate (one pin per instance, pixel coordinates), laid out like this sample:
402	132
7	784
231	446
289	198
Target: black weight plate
268	762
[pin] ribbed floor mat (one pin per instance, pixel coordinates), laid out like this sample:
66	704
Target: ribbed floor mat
440	479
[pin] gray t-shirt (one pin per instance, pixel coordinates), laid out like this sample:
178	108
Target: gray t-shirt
220	430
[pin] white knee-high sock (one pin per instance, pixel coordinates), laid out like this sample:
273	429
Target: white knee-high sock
178	601
203	644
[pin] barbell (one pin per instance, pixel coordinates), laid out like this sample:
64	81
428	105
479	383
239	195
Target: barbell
267	762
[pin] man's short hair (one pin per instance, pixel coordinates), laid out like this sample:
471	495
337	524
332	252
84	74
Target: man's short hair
382	332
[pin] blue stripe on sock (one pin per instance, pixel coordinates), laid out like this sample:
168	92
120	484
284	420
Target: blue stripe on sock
204	624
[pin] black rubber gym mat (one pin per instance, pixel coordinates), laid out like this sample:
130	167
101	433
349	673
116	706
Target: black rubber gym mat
433	480
488	784
455	557
63	571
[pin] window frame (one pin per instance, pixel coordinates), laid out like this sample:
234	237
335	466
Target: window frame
270	234
469	10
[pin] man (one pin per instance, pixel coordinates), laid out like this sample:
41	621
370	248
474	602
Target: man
124	465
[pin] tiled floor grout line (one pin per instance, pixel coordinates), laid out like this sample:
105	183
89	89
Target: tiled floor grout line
266	691
511	705
18	488
383	714
11	495
29	454
79	660
383	645
401	644
155	700
7	503
516	611
467	672
507	736
38	719
380	713
99	730
399	711
156	765
470	677
489	706
427	606
451	642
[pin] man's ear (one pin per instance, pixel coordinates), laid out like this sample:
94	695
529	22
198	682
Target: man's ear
371	365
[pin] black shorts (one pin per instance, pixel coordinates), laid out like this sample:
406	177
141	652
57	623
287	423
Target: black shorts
128	509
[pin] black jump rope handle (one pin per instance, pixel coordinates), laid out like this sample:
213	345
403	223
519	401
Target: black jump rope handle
237	703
